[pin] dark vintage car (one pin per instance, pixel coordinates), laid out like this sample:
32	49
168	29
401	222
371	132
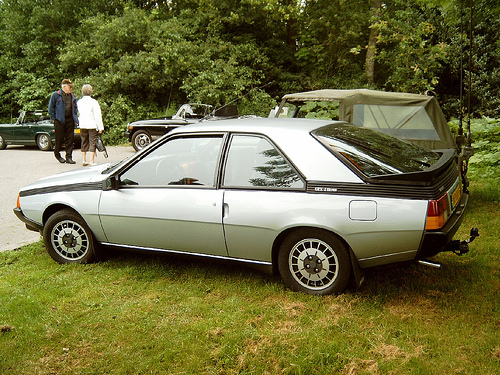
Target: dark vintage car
143	132
31	128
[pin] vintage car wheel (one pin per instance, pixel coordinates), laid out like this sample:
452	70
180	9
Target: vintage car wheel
68	238
141	139
43	142
3	145
314	262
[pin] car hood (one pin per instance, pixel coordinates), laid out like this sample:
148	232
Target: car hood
74	177
159	121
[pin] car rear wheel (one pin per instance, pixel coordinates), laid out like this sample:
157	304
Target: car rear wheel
313	261
3	145
68	239
141	139
43	142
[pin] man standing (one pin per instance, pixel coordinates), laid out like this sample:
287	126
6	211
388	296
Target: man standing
63	110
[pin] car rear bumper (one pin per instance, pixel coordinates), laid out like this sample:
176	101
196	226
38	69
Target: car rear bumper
30	224
437	241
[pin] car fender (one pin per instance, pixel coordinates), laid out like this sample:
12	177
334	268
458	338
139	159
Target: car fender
84	203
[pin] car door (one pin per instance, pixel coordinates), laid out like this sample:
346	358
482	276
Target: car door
24	133
168	200
262	193
7	132
11	132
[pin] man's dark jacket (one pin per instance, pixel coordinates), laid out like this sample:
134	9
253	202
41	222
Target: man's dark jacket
57	108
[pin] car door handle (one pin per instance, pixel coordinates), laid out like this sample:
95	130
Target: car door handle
225	210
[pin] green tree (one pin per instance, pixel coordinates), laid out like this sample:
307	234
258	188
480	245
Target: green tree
331	43
32	35
478	61
412	48
146	57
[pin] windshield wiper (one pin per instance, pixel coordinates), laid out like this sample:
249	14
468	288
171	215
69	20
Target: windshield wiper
112	166
424	163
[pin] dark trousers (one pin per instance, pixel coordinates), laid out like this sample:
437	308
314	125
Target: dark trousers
89	139
65	134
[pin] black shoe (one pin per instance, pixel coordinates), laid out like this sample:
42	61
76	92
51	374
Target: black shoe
60	160
70	161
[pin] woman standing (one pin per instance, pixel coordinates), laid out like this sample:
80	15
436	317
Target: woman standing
90	123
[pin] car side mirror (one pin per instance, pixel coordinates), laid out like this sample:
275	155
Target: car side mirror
111	183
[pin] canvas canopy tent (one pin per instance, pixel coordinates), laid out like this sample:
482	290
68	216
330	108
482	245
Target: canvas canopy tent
413	117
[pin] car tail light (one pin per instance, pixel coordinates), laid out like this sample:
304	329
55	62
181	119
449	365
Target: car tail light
18	201
438	212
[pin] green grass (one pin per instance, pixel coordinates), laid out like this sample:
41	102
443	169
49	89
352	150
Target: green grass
142	314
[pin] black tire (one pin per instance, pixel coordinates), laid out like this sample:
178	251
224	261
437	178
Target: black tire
68	239
141	139
314	261
43	142
3	145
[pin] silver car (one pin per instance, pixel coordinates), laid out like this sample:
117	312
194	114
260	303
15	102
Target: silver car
315	201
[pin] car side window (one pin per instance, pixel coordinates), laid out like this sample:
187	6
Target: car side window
188	161
254	162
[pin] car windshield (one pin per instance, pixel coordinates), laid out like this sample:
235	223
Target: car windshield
374	153
326	110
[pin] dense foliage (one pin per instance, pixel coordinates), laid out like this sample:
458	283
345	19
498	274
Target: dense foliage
146	58
485	163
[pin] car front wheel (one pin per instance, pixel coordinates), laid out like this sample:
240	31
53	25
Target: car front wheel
68	238
43	142
141	139
3	145
313	261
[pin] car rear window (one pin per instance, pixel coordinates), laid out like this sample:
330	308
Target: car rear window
374	153
408	122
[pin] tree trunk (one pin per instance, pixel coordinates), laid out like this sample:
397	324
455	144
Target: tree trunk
372	42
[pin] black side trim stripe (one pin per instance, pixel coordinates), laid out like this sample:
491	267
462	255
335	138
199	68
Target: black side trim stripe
371	190
395	189
62	188
434	191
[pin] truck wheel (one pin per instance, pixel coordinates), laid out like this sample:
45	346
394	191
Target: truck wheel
141	139
43	142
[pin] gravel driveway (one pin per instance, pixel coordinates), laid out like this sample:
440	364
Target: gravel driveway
21	166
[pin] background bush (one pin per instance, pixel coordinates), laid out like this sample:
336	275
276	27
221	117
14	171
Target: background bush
145	58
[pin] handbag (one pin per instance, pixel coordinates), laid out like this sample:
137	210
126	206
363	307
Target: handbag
99	145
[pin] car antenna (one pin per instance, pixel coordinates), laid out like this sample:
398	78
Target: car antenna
234	100
464	142
460	137
471	45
